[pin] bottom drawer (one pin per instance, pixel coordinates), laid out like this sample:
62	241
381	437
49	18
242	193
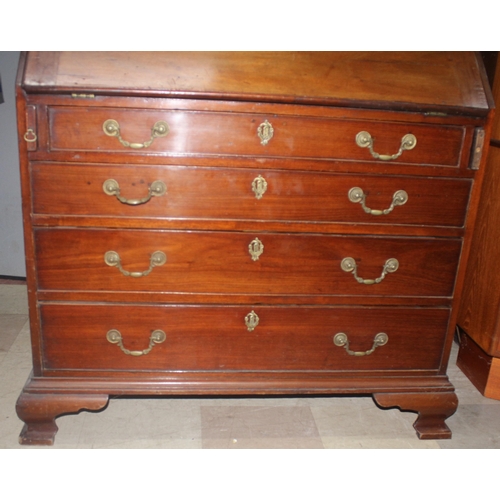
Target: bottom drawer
222	338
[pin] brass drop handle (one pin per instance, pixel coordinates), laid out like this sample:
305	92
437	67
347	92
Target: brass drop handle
112	259
30	135
356	195
112	129
341	340
112	188
349	266
115	337
364	140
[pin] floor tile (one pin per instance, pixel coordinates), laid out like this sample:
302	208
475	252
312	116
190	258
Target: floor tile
259	427
474	427
357	419
133	423
13	299
10	326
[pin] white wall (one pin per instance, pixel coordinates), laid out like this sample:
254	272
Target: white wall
11	226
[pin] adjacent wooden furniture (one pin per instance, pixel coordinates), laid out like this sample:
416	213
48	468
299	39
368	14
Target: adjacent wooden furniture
254	223
479	314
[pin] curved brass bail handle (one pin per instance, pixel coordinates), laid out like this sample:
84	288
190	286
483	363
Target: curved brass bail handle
341	340
112	259
364	140
112	128
115	337
349	266
356	195
112	188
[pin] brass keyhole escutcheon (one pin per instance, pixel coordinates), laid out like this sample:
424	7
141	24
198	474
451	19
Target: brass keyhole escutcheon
251	321
255	249
259	186
265	131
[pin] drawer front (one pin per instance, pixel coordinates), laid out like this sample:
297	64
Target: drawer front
216	133
226	193
244	263
221	338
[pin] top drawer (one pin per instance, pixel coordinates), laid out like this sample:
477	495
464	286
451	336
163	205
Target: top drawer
192	133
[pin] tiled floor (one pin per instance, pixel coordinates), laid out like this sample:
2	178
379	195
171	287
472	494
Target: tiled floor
264	423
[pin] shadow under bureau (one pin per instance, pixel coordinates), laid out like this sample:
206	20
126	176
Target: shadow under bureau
245	224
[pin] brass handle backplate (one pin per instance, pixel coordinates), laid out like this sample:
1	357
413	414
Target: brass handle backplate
356	195
112	259
349	266
112	188
115	337
251	321
112	128
365	140
341	340
265	131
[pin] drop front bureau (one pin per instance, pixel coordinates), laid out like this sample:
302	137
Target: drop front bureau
247	224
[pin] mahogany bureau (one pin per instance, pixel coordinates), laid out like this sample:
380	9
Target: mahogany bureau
247	224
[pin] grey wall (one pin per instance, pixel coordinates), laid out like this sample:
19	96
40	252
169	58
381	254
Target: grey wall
11	227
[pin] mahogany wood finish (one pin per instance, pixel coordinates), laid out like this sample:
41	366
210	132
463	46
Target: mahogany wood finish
193	133
237	322
479	314
216	338
40	411
482	369
218	262
433	410
226	194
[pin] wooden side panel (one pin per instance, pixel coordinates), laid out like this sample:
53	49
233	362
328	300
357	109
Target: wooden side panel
479	313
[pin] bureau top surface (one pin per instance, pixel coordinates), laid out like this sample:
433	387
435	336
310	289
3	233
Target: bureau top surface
414	81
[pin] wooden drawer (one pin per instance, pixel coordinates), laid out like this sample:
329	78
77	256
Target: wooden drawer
221	338
219	262
229	134
240	194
